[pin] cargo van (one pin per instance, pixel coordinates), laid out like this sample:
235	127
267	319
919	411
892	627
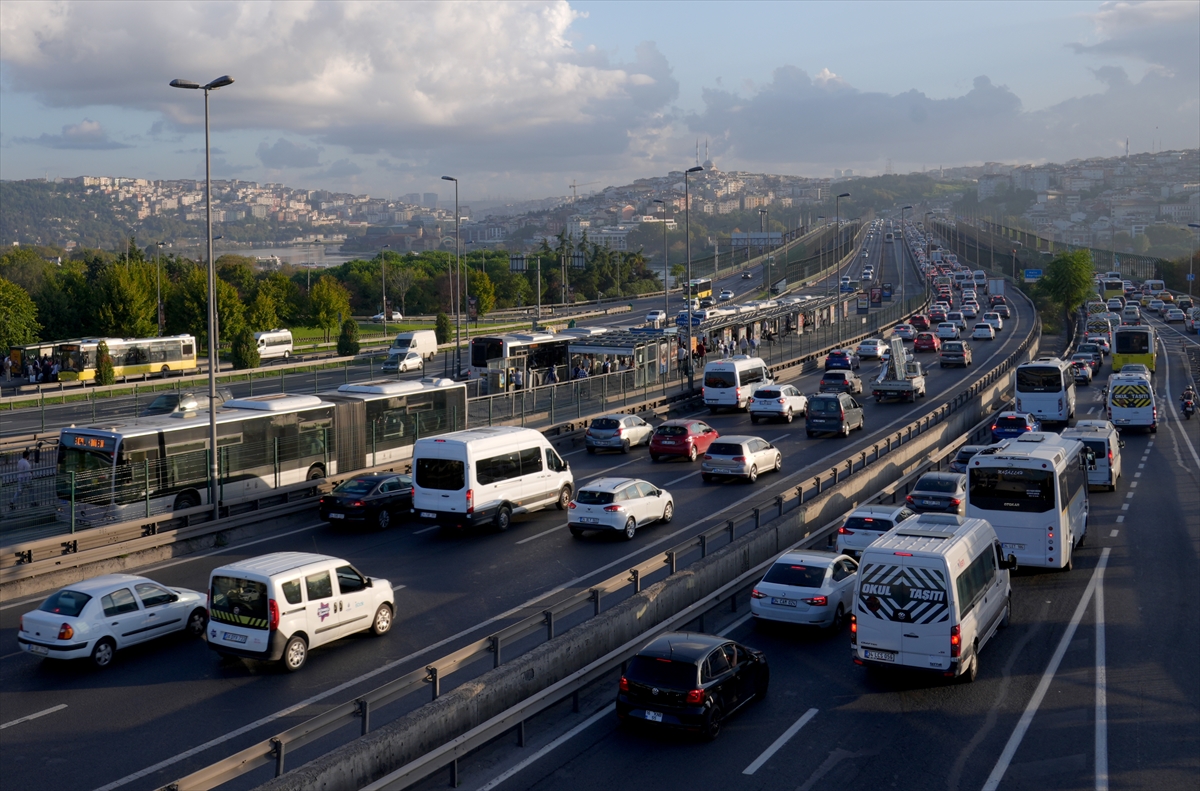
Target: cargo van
487	476
1131	401
423	342
1155	287
729	383
280	606
274	344
1101	437
931	593
980	278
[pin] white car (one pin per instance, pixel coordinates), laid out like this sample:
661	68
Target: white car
656	315
983	332
96	617
887	355
726	295
957	318
1155	306
867	523
410	361
947	331
970	310
806	587
617	432
620	504
871	348
393	316
941	305
737	456
777	401
969	295
905	331
993	318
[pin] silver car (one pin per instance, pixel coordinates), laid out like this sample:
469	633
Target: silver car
806	587
734	456
868	523
617	432
777	401
618	504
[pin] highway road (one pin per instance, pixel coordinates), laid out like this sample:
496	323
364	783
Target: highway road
164	710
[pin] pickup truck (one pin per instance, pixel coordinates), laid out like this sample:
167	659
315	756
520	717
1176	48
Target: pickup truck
899	378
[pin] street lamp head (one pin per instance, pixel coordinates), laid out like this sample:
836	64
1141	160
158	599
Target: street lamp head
844	195
219	82
449	178
656	200
902	208
696	169
185	84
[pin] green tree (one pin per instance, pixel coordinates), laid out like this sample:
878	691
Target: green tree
18	316
105	375
329	303
126	294
263	313
1067	280
188	308
442	328
347	342
483	291
244	350
237	271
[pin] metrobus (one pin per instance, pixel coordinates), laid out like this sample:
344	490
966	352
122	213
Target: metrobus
1112	288
1046	389
1033	491
1134	344
537	350
158	465
130	356
700	288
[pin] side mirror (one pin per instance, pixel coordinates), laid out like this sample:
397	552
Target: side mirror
370	582
1120	443
174	597
1011	563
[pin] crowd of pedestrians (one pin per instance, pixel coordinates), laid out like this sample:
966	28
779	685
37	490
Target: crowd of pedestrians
33	370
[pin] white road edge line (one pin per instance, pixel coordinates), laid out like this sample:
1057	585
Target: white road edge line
554	745
782	740
1014	741
543	533
34	716
1171	398
1101	688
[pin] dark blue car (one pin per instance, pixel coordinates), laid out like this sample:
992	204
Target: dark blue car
841	360
1013	424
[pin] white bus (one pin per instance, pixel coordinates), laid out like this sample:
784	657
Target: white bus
536	351
273	344
1033	490
1046	390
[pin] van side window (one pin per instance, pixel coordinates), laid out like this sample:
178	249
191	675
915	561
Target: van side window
531	460
319	586
291	591
498	468
349	580
553	461
974	580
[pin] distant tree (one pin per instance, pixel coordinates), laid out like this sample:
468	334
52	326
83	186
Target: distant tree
347	342
263	313
244	349
401	279
18	316
237	271
329	303
483	291
188	308
105	375
1067	280
442	328
125	294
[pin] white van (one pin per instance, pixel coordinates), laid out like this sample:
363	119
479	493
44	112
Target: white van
278	607
1156	286
423	342
729	383
1131	401
980	278
274	344
487	475
1102	439
931	592
961	278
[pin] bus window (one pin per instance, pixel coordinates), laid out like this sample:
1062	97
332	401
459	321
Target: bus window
1039	380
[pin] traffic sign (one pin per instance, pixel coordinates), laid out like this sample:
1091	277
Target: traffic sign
1191	276
1032	275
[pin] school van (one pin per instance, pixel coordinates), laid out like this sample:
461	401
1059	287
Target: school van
1101	437
729	383
278	607
274	344
1131	402
931	593
1155	287
487	476
423	342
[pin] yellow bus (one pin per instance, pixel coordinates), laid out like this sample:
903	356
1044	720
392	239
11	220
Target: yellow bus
130	356
1113	288
1134	344
700	288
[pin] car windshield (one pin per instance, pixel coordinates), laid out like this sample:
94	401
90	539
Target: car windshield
661	672
796	575
725	449
671	431
940	485
606	423
355	486
69	603
720	379
589	497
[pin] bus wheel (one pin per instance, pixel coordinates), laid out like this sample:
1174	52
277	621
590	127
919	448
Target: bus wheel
186	500
315	473
165	371
286	354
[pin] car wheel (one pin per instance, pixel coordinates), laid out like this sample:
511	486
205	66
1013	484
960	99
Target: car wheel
197	621
625	446
577	532
404	369
778	462
753	476
693	453
668	513
295	654
383	620
502	519
102	653
706	477
839	617
383	518
653	457
712	723
185	501
845	430
630	528
972	671
1007	619
788	416
591	450
754	419
564	498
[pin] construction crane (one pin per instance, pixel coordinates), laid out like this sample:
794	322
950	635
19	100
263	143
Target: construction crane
574	191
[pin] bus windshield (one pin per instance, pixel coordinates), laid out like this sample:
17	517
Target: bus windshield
1044	379
1011	489
1133	342
484	349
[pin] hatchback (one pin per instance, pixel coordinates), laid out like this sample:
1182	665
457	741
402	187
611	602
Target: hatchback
374	498
681	437
920	321
983	332
993	318
1003	310
870	349
939	492
833	412
618	504
1013	424
1155	306
1115	304
926	342
1101	342
866	524
811	588
97	617
947	331
955	353
690	681
734	456
169	403
957	318
617	432
905	331
412	361
777	401
1081	371
1091	353
936	317
970	310
964	454
840	382
656	315
841	359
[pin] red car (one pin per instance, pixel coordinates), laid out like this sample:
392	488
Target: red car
920	321
926	342
682	437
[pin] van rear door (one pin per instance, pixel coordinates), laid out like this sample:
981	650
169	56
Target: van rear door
905	601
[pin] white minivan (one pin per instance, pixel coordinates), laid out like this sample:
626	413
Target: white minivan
931	592
487	476
274	344
278	607
729	383
1131	401
423	342
1102	439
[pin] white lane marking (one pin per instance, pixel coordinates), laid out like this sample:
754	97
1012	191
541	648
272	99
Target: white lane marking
681	478
1113	534
1184	434
1133	484
1137	475
554	745
1141	466
1150	444
41	713
1101	689
1091	409
1014	741
1130	495
1125	507
425	530
1120	518
782	740
543	533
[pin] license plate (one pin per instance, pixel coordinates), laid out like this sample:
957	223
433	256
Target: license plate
337	516
654	716
428	515
783	602
1013	546
229	637
880	656
589	520
929	502
40	650
668	442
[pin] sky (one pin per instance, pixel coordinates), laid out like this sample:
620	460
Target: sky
519	99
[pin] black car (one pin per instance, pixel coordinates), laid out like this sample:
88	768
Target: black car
841	359
939	492
959	462
746	275
373	497
691	681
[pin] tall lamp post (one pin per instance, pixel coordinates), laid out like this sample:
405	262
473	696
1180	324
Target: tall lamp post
687	233
821	256
383	286
158	246
1191	259
900	263
837	215
213	469
666	296
762	228
465	291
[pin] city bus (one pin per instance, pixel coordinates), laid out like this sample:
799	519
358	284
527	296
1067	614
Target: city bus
1112	288
130	356
1046	390
1033	490
700	288
888	238
1134	344
538	350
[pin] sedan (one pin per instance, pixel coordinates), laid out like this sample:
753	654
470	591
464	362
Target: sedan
947	331
841	359
870	349
927	342
1100	341
806	587
1081	371
618	504
681	437
1156	306
1173	314
656	316
690	681
1013	424
970	310
993	318
840	382
939	492
373	497
920	321
94	618
746	275
617	432
936	317
740	457
983	332
905	331
393	316
726	295
777	401
1003	310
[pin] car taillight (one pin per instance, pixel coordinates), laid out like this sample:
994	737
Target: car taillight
624	685
588	433
65	632
844	532
750	400
619	431
695	696
782	401
843	415
853	630
908	498
1110	456
955	642
571	505
818	601
739	458
272	614
613	508
756	594
356	504
737	393
955	501
470	501
21	622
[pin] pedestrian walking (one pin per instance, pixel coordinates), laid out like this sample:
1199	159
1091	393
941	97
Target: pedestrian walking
24	480
551	376
745	345
518	379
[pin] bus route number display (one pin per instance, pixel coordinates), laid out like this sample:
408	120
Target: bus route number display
94	443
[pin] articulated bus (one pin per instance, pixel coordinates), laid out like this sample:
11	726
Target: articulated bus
1134	344
1112	288
540	350
1033	490
158	465
701	288
131	356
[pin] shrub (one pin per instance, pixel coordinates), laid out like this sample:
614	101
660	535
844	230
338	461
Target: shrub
347	343
442	328
244	352
105	375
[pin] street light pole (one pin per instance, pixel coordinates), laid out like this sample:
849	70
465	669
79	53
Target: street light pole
900	258
213	363
383	285
687	233
762	228
158	267
1191	260
821	256
465	291
666	296
837	211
